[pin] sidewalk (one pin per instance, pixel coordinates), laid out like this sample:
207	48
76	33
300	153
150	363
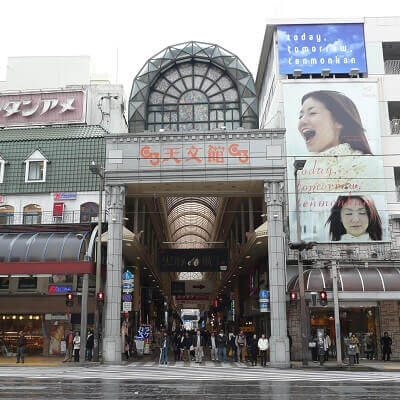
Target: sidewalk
365	365
42	361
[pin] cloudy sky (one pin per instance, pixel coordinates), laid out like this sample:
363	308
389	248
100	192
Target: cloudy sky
136	30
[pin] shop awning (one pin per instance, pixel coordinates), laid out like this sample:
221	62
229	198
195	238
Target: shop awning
372	279
127	236
44	253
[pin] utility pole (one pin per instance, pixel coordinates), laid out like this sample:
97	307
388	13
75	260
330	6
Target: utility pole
337	315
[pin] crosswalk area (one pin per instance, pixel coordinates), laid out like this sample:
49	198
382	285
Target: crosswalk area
207	371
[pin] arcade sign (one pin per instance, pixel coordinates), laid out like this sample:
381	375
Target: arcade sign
192	260
42	108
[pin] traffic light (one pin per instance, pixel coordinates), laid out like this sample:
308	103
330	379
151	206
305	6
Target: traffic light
323	298
293	297
69	299
100	298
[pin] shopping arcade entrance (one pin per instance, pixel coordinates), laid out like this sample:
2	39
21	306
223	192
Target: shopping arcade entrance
255	164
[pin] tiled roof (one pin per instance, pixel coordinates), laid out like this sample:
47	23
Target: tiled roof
51	132
69	150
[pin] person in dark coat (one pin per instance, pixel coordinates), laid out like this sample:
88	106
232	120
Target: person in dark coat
222	342
164	346
89	346
21	343
186	344
253	350
177	346
386	342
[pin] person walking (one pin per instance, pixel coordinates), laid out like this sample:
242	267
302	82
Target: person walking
21	343
263	345
164	346
213	347
354	341
89	345
232	342
253	350
177	346
186	344
386	342
198	343
369	346
77	346
222	341
241	346
70	347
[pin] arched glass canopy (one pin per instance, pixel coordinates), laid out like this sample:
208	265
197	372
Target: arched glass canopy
193	85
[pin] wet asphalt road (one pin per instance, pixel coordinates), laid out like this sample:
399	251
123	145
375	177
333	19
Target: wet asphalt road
56	389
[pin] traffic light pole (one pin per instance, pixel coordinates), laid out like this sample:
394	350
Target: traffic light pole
96	344
337	316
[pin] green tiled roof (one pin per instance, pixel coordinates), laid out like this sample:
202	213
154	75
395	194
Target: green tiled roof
69	150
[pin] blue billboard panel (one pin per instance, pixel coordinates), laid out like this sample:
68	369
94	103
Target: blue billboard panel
312	48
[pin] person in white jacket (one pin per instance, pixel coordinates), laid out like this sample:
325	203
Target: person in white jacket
263	345
77	346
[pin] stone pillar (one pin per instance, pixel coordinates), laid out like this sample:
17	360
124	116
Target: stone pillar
115	199
389	315
279	341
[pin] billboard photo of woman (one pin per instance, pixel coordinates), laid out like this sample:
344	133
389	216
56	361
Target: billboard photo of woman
342	154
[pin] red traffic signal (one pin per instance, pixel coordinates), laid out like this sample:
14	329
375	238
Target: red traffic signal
323	298
293	297
69	299
100	297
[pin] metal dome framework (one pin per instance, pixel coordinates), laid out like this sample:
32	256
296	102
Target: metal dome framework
206	60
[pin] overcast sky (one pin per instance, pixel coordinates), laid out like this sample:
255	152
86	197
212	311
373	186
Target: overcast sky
136	30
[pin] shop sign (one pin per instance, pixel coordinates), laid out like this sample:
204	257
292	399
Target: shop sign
52	317
127	306
192	260
1	199
64	196
59	289
178	288
311	48
42	108
264	301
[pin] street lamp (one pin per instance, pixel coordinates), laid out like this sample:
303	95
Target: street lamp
298	166
98	170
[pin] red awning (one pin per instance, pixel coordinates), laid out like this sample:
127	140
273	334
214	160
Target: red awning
54	268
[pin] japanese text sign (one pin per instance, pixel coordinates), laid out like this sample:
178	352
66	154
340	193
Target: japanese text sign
42	108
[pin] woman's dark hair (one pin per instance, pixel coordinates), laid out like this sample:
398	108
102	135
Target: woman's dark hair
336	228
345	113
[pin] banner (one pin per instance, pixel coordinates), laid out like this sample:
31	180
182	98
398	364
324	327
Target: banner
335	129
312	48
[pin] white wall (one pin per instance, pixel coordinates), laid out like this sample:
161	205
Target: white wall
24	73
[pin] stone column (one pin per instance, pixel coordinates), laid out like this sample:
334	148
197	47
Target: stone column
279	342
115	199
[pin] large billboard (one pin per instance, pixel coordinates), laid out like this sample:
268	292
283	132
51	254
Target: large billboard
335	129
312	48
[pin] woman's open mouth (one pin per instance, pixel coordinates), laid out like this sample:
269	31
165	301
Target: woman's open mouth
308	135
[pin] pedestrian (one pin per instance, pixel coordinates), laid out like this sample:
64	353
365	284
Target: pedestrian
241	346
354	341
127	347
369	346
222	342
89	345
70	347
177	346
327	346
386	342
253	350
232	343
213	347
198	343
3	347
263	345
77	346
164	346
21	343
186	344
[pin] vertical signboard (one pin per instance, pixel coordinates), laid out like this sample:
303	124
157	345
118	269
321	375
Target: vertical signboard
335	128
312	48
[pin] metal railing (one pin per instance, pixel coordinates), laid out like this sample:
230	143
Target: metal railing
392	67
395	126
47	217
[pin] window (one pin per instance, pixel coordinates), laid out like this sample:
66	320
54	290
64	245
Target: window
193	95
6	215
27	283
89	212
2	166
4	283
35	167
397	181
32	214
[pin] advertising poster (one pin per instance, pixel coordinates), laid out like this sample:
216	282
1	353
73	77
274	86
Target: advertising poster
312	48
335	129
